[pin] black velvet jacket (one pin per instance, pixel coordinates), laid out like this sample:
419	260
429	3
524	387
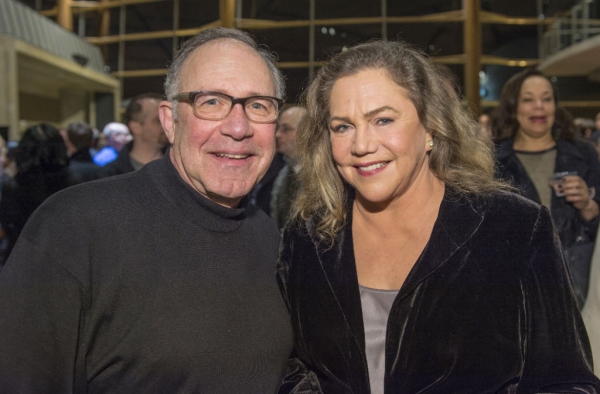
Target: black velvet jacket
487	308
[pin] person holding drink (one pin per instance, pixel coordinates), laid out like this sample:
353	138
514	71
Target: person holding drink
538	154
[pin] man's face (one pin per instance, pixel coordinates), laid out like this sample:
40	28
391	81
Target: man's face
223	159
149	124
118	139
285	134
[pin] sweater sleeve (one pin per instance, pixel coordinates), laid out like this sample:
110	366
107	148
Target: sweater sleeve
40	319
556	348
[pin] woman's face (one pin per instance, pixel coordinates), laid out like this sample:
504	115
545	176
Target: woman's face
379	144
536	107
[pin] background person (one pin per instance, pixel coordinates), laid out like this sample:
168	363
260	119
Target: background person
116	136
149	139
537	139
78	138
42	170
408	269
286	184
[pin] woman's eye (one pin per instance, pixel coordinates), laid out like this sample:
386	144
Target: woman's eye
340	128
384	121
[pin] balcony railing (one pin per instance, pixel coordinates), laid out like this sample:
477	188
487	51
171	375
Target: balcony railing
575	26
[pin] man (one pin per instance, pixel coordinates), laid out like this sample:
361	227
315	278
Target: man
117	136
78	139
286	184
149	139
161	280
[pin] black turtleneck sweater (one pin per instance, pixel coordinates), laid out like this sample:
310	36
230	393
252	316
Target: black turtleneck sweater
138	284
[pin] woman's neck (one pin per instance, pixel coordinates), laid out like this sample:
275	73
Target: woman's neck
416	206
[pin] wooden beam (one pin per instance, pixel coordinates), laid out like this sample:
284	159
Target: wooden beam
87	6
472	49
227	12
140	73
65	16
492	17
157	72
151	35
442	17
501	61
104	27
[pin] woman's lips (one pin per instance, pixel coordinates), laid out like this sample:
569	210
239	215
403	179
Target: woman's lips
538	119
371	168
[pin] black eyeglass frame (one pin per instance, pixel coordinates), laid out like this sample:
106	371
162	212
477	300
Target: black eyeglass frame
191	98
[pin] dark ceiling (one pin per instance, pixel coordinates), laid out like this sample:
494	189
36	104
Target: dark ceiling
291	44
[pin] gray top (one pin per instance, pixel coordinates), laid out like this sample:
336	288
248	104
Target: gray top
376	306
539	167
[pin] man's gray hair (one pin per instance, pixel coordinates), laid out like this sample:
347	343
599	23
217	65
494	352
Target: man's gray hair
173	75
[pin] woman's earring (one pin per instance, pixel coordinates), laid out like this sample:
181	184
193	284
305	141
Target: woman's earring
430	143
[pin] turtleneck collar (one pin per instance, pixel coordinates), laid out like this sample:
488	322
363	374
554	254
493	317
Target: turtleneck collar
216	217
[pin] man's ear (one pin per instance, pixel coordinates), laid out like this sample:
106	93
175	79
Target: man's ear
165	113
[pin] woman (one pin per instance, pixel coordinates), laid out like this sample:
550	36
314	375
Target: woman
407	268
42	170
536	140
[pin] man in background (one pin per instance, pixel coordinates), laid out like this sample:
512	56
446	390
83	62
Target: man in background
287	183
78	139
149	139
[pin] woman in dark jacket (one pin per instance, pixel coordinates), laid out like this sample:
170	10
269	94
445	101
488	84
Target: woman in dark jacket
536	140
42	170
408	268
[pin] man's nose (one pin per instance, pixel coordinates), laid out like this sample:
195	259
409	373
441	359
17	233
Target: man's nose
236	124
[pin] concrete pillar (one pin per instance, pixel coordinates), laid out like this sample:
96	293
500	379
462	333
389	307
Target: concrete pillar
9	89
74	106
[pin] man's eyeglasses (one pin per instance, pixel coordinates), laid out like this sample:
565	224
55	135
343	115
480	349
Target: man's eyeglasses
216	106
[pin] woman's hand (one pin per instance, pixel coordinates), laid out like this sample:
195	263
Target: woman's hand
578	193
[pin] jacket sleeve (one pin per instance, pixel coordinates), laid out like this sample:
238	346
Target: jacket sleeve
557	356
592	180
40	309
298	378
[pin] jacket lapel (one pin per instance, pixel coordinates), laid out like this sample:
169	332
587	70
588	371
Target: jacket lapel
339	267
458	220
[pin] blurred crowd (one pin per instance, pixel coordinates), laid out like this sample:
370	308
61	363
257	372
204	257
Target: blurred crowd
48	159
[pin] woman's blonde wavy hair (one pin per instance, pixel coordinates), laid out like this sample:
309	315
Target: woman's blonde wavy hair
461	156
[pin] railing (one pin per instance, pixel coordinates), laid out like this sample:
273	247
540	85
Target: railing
574	26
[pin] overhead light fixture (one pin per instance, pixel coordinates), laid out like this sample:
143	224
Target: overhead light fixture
80	59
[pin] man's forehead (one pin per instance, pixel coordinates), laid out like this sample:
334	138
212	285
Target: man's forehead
214	63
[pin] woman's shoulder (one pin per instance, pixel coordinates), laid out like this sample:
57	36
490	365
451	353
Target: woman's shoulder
577	148
505	205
